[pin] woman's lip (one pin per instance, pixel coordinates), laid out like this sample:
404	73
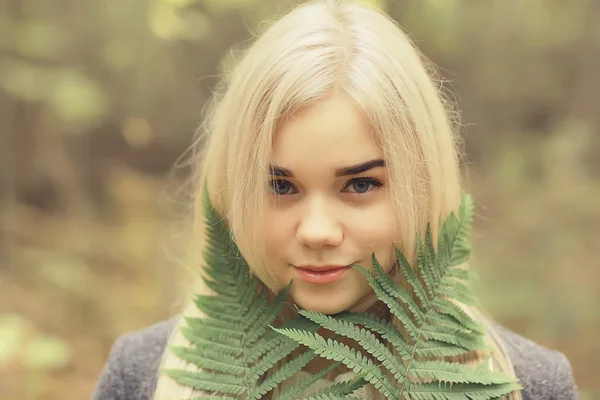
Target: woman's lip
321	276
322	268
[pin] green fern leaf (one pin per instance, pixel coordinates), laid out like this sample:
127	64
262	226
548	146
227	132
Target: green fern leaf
455	373
205	381
446	307
385	328
332	350
394	306
271	342
208	359
294	391
240	355
364	337
199	340
236	323
435	391
281	374
264	321
340	390
411	278
259	307
268	360
436	349
395	290
425	268
463	274
431	256
214	331
201	323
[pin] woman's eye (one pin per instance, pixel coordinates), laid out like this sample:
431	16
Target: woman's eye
362	185
280	187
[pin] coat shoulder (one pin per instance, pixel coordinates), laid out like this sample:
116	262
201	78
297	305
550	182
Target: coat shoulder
544	373
132	367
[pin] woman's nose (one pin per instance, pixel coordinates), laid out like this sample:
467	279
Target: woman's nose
318	226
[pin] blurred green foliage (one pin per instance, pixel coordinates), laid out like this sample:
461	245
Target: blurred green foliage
99	99
36	353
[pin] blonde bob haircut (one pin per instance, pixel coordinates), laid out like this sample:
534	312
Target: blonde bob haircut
316	49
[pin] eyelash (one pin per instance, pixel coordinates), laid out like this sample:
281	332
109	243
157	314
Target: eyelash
375	182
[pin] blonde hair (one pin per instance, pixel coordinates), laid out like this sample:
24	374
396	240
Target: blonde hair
317	49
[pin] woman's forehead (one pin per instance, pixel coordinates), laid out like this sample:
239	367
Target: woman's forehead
334	134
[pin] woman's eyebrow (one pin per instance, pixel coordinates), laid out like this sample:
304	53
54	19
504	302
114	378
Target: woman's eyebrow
358	168
280	171
351	170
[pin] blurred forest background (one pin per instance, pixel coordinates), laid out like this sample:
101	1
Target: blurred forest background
98	99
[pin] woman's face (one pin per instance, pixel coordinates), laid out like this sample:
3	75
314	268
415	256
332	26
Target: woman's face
329	206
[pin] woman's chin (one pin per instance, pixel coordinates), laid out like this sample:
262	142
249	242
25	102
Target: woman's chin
322	306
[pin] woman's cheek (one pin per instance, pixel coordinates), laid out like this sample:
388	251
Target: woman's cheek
277	237
377	234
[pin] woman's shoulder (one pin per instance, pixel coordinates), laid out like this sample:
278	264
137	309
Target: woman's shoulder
543	372
132	367
131	370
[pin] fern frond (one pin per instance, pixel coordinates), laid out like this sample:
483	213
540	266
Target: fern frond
431	256
395	307
411	278
463	274
425	270
294	391
208	359
340	390
446	307
218	288
396	291
219	304
206	381
251	283
264	321
433	348
385	328
435	391
215	312
459	292
281	374
200	340
365	338
236	321
459	231
200	323
272	358
357	362
214	331
456	373
271	342
259	307
462	337
241	355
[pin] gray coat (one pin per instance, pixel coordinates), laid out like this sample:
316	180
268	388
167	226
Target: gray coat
130	373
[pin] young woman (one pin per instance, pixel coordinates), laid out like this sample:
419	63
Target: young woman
331	142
